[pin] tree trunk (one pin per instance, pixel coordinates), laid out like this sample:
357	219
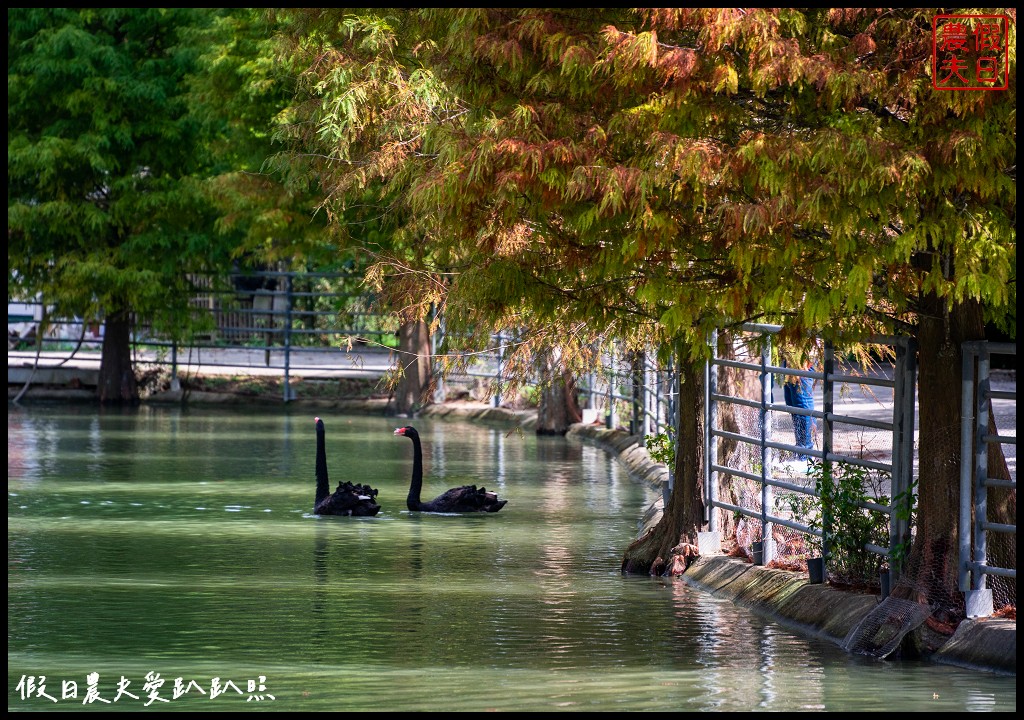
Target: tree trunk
117	382
414	383
658	552
559	407
930	572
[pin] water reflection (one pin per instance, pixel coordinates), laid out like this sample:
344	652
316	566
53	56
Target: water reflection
197	555
319	607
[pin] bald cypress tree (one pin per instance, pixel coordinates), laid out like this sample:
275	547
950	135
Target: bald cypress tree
105	209
658	173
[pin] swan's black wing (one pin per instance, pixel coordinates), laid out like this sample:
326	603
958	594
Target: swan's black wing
468	498
349	499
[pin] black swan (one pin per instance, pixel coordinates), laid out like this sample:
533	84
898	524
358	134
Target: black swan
348	499
465	499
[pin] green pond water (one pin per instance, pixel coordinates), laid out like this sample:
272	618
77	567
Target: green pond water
167	559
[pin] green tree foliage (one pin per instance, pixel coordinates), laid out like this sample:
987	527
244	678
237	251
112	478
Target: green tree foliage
689	168
352	129
355	127
106	206
240	88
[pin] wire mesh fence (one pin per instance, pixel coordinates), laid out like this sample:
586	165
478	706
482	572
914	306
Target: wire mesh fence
822	475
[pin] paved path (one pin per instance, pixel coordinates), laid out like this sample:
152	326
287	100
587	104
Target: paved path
876	403
325	363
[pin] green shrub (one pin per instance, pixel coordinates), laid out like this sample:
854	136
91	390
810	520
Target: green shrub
661	448
846	526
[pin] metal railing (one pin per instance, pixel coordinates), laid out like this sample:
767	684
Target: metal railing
635	388
278	321
974	524
284	323
766	448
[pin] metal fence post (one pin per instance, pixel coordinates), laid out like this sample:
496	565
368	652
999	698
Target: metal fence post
768	544
650	415
966	467
287	336
496	399
636	374
672	417
652	397
436	342
610	420
902	449
672	411
591	391
828	366
710	439
981	466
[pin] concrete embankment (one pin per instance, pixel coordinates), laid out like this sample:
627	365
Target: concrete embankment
524	419
986	644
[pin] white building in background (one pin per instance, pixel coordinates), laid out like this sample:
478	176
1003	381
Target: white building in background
23	320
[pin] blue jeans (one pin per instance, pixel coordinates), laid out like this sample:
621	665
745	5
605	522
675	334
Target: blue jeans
801	394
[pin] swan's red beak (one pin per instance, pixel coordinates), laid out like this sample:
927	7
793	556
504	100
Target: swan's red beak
399	431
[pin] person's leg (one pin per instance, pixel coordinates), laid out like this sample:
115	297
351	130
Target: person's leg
804	398
802	431
793	400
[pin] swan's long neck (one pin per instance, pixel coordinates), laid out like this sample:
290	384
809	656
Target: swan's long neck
413	501
323	485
